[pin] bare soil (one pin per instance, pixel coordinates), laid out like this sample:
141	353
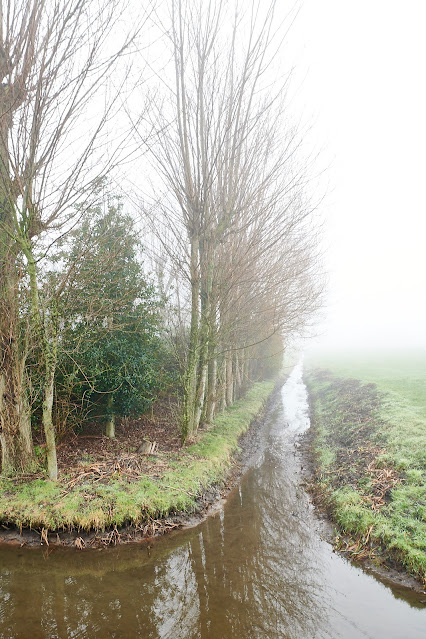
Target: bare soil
92	448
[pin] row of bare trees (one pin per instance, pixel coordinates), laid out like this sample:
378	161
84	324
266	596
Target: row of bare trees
232	222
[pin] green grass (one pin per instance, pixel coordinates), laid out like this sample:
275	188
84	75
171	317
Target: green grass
96	506
383	421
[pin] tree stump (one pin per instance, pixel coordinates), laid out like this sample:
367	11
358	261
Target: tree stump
147	447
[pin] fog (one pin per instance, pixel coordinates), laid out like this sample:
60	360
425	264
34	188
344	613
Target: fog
359	80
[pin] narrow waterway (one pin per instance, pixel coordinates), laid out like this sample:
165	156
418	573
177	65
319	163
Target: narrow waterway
258	568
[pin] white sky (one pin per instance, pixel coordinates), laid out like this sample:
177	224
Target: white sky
364	69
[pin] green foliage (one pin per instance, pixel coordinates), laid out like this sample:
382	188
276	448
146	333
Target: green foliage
111	343
350	512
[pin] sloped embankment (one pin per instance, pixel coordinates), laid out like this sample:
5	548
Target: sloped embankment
375	495
103	504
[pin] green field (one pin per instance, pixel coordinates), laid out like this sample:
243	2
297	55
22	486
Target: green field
370	451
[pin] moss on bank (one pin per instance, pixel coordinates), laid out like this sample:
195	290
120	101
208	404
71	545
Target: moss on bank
99	505
369	453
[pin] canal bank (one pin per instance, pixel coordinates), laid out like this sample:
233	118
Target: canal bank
367	474
95	509
259	567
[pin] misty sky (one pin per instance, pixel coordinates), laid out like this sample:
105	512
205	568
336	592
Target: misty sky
360	79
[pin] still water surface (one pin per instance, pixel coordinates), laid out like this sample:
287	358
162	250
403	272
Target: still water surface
256	569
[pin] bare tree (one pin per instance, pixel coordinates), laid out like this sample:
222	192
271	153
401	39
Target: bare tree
234	197
55	56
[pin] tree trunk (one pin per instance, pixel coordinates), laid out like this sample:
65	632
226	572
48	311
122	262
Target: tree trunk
25	418
229	380
238	383
17	451
15	435
191	373
49	430
211	390
201	392
203	362
110	424
50	344
223	386
47	334
11	455
15	427
110	427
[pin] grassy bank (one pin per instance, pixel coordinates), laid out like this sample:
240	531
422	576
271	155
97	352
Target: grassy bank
96	504
369	429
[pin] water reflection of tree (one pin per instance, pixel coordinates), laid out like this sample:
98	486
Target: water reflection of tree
225	579
248	585
255	570
240	574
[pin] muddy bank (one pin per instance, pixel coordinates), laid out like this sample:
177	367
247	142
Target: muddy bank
385	568
349	477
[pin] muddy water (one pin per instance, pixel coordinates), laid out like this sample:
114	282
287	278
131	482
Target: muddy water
258	568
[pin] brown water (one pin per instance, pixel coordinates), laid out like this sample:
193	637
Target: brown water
258	568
